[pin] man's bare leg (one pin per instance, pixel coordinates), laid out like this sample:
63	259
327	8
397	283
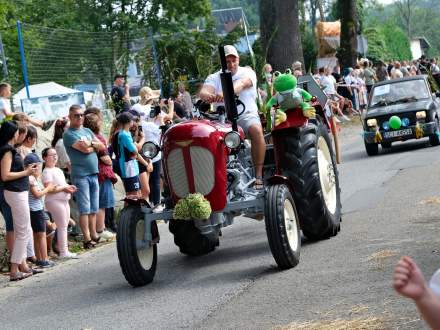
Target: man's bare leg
258	148
84	224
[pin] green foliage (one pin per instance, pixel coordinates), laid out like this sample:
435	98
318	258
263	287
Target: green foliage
193	206
387	42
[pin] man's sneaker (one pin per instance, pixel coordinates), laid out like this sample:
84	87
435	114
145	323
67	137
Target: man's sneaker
69	255
45	263
158	208
106	235
337	120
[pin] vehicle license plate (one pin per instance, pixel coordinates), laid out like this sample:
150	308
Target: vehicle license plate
398	133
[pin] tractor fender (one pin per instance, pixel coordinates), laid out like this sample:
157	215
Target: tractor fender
280	179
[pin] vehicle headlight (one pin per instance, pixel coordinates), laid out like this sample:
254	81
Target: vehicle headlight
421	114
232	140
371	122
150	149
386	125
405	122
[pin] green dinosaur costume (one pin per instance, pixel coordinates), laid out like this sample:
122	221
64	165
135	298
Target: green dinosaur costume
288	96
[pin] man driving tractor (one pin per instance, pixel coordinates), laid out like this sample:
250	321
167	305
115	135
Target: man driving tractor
245	86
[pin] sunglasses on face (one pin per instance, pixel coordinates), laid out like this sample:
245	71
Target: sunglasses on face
78	115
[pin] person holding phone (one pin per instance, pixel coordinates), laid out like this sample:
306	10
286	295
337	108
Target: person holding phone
15	179
120	94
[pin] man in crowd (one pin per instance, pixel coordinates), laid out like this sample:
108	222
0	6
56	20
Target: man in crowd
245	86
81	146
120	94
185	99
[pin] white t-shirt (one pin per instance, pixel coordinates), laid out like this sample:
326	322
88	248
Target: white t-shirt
328	82
150	126
248	96
5	107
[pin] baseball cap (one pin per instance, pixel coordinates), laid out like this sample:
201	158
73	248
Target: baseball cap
230	50
31	158
118	75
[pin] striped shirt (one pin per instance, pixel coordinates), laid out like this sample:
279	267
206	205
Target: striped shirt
35	204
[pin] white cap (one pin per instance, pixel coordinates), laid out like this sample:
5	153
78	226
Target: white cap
230	50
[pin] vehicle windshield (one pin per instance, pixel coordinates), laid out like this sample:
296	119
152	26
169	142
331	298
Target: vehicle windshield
399	92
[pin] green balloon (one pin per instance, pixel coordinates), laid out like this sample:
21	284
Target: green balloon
395	122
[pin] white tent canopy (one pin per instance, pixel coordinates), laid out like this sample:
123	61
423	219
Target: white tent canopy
45	89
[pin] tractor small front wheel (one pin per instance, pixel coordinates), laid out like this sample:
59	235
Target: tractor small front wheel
137	258
282	226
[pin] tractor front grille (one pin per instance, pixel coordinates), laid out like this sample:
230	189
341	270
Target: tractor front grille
202	162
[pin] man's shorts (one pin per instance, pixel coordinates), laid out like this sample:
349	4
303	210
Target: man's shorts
5	210
106	196
246	120
87	194
38	221
131	184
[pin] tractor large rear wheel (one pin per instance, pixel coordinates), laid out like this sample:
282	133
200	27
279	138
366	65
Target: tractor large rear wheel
308	161
137	259
189	239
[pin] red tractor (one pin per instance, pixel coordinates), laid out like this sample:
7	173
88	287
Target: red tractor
212	158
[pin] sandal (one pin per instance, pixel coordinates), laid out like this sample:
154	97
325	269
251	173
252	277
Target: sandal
97	239
89	245
18	276
259	183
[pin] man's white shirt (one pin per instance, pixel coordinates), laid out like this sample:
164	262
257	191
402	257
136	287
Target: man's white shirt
248	95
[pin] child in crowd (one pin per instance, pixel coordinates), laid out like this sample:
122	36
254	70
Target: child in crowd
57	201
128	156
38	215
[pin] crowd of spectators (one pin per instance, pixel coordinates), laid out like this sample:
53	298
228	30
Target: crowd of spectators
80	164
348	89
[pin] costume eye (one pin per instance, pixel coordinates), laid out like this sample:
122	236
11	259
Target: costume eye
288	71
277	73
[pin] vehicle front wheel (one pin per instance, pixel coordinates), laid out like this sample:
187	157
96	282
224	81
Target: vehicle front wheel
372	149
189	239
282	226
137	259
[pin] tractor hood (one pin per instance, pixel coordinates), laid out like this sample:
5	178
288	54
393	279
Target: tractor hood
400	108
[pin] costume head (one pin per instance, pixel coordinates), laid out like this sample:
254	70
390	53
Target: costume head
284	81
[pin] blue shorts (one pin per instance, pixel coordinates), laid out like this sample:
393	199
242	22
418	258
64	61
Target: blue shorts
106	196
87	195
6	212
131	184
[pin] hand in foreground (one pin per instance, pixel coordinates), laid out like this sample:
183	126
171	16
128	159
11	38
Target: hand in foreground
408	280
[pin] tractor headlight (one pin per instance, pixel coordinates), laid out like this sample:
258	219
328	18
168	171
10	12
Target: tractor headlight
421	114
150	149
371	122
232	140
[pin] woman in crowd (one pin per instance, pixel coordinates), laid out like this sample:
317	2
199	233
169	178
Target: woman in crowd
57	200
16	186
106	176
61	125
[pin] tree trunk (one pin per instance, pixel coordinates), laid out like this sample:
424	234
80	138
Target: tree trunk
347	53
280	33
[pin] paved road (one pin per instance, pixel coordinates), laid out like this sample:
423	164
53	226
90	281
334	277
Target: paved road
239	287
